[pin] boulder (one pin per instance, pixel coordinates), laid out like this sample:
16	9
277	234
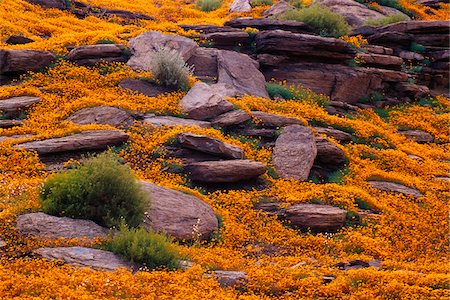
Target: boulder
159	121
411	90
178	214
419	136
203	102
334	133
294	152
41	225
18	40
241	72
84	257
17	104
277	9
239	6
144	47
209	145
273	120
91	54
204	61
102	115
233	279
269	24
395	187
353	12
12	61
225	171
328	154
86	140
231	118
144	87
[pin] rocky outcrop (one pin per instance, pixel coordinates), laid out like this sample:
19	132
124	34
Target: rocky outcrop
102	115
16	61
15	105
92	54
144	47
269	24
239	6
396	188
84	257
225	171
209	145
180	215
294	152
87	140
159	121
44	226
144	87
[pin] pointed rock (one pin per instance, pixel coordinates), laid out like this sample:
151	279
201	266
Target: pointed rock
240	6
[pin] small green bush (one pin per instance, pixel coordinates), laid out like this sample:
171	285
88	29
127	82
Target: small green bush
386	20
169	69
294	92
322	20
208	5
255	3
101	189
148	248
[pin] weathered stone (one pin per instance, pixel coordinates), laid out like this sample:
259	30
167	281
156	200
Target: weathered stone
13	137
203	102
359	264
396	188
408	55
269	24
273	120
180	215
418	135
334	133
209	145
231	118
294	152
378	49
10	123
17	104
413	91
144	47
234	279
204	61
59	4
277	9
228	40
92	54
84	257
144	87
50	227
87	140
24	60
159	121
241	72
328	154
240	6
353	12
18	40
225	171
382	61
102	115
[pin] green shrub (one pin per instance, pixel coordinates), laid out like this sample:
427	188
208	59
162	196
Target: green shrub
255	3
169	69
294	92
322	20
144	247
101	189
208	5
418	48
385	20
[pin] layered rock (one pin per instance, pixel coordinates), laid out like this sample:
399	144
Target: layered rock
269	24
92	54
144	87
273	120
396	188
225	171
12	61
159	121
102	115
231	118
17	104
209	145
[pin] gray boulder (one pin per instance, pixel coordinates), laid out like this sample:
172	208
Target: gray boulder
209	145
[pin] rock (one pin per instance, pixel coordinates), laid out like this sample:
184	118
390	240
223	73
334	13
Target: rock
353	12
84	257
91	54
273	120
228	40
159	121
144	87
278	42
294	152
231	118
209	145
415	157
10	123
419	136
203	102
144	47
239	6
269	24
258	132
50	227
234	279
2	243
277	9
86	140
178	214
396	188
102	115
18	40
13	137
359	264
306	216
412	91
17	104
58	4
334	133
408	55
24	60
225	171
204	61
378	49
328	154
381	61
241	72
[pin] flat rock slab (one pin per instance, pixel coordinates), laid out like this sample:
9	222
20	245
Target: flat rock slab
231	118
46	226
84	257
159	121
234	279
144	87
13	137
17	104
418	135
177	213
24	60
87	140
273	120
203	102
225	171
263	24
334	133
328	154
10	123
209	145
96	51
396	188
106	115
294	152
144	46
